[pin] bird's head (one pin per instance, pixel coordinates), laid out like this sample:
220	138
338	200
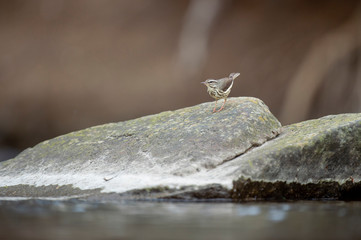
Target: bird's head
210	83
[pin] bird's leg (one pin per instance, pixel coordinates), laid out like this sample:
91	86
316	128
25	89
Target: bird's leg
215	105
225	100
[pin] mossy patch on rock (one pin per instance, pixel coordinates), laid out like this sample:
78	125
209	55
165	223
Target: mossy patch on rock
248	190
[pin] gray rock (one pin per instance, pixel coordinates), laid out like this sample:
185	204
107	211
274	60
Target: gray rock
313	159
241	153
325	149
174	148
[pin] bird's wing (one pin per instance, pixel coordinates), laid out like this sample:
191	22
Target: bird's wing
226	83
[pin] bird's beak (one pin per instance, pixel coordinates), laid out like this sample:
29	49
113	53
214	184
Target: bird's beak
203	83
236	75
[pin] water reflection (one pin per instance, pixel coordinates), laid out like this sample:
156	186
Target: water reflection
248	210
342	212
37	219
278	213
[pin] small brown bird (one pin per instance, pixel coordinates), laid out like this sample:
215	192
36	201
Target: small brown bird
220	89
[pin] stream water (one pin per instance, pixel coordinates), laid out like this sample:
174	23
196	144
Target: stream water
70	219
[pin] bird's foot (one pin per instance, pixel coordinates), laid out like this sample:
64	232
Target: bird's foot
220	109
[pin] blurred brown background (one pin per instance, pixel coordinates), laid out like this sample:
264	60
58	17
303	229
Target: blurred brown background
70	64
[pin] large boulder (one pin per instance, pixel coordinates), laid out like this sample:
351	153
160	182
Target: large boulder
318	158
173	149
240	153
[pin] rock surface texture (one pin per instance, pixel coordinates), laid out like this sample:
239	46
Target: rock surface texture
174	148
240	153
313	159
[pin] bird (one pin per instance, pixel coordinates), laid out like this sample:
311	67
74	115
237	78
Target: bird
220	88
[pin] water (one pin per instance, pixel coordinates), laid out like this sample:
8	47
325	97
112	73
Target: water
41	219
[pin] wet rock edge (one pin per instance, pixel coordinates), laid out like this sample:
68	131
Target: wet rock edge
50	191
248	190
242	190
